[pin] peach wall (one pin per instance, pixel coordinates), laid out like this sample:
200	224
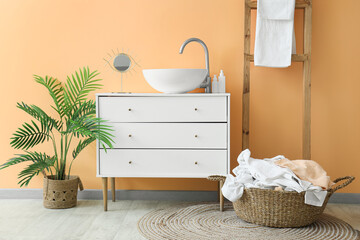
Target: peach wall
57	37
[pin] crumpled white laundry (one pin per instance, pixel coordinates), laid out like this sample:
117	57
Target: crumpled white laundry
265	174
275	36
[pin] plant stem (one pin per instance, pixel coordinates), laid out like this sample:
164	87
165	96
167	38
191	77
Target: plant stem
67	149
56	155
61	157
65	145
65	154
51	173
70	167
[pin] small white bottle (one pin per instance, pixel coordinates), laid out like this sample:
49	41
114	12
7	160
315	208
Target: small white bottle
215	85
221	84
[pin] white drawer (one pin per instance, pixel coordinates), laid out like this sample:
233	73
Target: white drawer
170	135
163	109
162	163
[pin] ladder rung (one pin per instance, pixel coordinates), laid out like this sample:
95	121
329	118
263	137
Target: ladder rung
298	4
294	57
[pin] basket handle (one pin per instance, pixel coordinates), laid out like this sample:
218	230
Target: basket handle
81	186
348	179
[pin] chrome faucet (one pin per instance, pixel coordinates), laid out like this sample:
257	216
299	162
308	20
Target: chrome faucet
207	82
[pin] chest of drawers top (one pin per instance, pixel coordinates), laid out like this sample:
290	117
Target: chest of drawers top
153	107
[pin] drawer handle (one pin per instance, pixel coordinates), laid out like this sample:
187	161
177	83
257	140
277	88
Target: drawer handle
196	163
195	109
196	135
130	109
130	162
130	135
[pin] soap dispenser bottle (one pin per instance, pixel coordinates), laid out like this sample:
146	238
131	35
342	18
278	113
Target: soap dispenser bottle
215	85
221	85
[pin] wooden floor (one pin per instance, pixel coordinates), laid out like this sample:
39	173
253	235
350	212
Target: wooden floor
27	219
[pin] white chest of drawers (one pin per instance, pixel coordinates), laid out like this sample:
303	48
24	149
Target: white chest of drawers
165	135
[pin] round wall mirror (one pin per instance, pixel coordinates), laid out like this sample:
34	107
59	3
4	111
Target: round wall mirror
122	62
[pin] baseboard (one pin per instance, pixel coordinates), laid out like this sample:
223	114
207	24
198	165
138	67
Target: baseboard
347	198
96	194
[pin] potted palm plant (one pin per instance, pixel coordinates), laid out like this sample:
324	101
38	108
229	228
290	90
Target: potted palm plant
76	120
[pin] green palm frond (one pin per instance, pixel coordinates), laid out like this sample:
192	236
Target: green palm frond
86	109
29	156
30	135
56	91
79	85
93	127
40	115
81	145
33	170
40	162
82	109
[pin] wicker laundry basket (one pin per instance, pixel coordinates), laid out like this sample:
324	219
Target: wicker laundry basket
279	208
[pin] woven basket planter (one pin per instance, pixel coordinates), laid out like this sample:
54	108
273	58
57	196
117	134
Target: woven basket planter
279	208
61	194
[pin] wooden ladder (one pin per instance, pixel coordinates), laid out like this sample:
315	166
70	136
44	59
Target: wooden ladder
305	58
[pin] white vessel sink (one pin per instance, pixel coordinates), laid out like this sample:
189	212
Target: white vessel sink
175	80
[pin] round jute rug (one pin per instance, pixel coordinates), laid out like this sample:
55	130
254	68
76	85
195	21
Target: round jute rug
205	221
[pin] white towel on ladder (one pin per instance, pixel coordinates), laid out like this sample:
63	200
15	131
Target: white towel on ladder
275	37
